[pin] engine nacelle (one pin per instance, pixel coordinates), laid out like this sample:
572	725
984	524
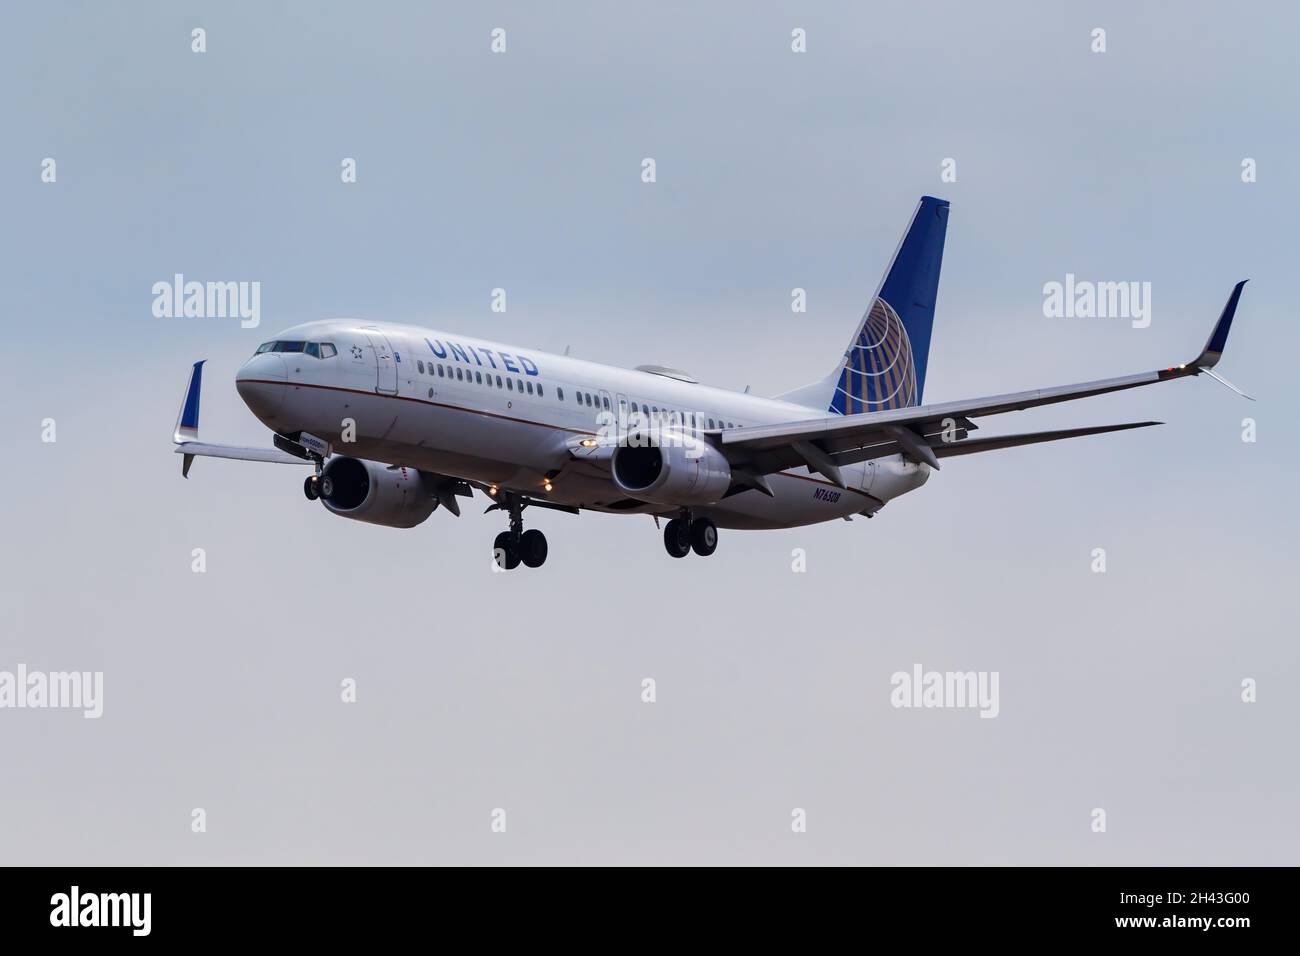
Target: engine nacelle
671	468
393	496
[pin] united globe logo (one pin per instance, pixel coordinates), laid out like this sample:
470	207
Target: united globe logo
879	369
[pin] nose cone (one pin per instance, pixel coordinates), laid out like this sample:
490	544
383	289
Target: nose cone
261	383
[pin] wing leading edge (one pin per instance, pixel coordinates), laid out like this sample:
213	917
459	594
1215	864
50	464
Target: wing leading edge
929	432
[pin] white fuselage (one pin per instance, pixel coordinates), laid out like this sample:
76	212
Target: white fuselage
455	405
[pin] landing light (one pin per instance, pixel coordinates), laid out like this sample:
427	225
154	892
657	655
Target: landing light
546	485
588	443
492	490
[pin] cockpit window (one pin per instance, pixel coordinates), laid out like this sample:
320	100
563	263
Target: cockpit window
321	350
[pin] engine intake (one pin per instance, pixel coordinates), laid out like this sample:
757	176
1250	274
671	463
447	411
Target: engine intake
392	496
671	468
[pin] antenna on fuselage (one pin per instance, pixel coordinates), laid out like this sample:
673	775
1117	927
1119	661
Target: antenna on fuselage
566	349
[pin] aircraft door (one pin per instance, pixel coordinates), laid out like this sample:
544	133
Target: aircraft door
868	475
385	362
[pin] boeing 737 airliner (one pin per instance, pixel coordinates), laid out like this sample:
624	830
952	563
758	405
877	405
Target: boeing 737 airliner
427	417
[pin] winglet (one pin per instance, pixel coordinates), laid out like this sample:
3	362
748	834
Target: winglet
187	423
1213	350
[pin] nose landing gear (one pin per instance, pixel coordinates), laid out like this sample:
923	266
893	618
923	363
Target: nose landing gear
685	534
312	486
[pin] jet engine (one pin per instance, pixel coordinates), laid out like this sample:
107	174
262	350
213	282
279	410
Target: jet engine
671	468
390	495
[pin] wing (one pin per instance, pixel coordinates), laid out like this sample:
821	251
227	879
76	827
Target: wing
930	432
187	441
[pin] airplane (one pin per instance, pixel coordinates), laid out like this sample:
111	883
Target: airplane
398	420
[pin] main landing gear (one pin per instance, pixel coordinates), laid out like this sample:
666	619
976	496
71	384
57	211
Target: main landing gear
685	534
517	545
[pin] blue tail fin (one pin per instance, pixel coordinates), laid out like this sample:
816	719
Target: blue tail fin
884	365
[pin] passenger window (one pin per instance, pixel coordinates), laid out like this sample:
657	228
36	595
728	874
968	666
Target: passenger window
710	422
460	375
441	373
605	403
498	381
478	377
510	385
539	389
420	366
559	393
530	388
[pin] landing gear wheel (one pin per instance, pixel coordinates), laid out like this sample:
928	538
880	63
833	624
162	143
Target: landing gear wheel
532	548
704	537
677	538
311	488
505	551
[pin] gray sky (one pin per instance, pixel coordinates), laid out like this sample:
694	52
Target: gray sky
522	691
